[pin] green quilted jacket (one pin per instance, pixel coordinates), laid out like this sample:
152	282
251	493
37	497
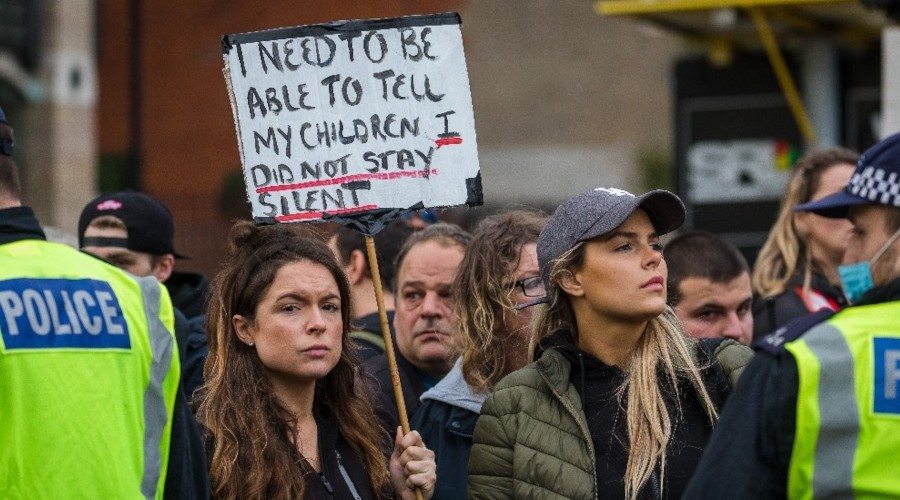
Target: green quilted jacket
540	398
534	419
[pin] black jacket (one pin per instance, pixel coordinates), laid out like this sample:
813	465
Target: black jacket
367	336
19	223
750	453
777	311
379	377
186	476
192	351
343	474
598	385
189	292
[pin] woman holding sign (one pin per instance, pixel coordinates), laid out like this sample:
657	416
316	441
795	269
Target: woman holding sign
619	402
285	413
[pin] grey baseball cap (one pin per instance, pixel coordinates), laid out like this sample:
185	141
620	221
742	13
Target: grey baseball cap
594	213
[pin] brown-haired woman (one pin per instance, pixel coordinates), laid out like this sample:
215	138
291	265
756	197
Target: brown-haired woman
499	271
619	403
796	270
284	410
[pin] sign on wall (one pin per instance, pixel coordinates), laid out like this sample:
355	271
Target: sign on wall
354	121
735	143
738	170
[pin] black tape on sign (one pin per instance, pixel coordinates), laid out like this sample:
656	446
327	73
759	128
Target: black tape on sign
474	191
358	26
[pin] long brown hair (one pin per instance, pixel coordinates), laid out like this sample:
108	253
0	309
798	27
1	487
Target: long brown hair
481	298
662	348
255	453
785	252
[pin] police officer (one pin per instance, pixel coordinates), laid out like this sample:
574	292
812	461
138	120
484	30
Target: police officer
817	413
135	232
88	366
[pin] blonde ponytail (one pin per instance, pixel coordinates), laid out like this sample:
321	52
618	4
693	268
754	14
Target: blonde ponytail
648	420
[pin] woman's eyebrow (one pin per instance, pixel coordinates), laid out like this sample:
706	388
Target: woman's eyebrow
629	234
303	297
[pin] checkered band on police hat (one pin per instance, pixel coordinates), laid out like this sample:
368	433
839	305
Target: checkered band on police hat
876	185
876	180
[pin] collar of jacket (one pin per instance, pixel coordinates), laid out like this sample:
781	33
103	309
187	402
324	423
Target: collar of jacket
819	283
19	223
453	390
886	293
555	369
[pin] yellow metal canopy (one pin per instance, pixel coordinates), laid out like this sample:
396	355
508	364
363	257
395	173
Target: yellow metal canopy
845	21
648	6
754	24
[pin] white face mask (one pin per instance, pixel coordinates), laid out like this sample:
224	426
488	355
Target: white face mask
856	279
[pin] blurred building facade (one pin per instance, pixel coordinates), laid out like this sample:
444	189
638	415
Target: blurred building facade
49	89
131	93
120	93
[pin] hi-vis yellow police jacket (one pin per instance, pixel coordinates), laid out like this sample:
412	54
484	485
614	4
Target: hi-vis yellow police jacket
88	374
847	442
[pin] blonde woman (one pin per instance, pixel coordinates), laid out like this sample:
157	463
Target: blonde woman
796	270
619	403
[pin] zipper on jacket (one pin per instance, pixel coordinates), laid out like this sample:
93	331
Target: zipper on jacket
346	476
654	485
326	483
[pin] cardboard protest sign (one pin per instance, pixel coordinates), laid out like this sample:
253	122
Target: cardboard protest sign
354	121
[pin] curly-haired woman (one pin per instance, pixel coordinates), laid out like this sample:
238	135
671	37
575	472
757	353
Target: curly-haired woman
499	271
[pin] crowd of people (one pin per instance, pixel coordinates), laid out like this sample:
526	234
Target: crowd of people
583	354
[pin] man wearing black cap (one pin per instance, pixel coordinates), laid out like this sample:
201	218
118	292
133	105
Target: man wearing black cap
134	231
817	413
90	404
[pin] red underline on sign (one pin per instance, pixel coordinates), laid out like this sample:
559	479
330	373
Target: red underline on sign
318	215
385	176
448	141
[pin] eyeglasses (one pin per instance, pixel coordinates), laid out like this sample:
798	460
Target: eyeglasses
531	287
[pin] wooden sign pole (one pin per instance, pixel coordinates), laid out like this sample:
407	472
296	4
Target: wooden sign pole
388	341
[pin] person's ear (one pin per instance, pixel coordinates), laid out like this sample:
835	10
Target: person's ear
163	267
357	267
244	329
569	283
